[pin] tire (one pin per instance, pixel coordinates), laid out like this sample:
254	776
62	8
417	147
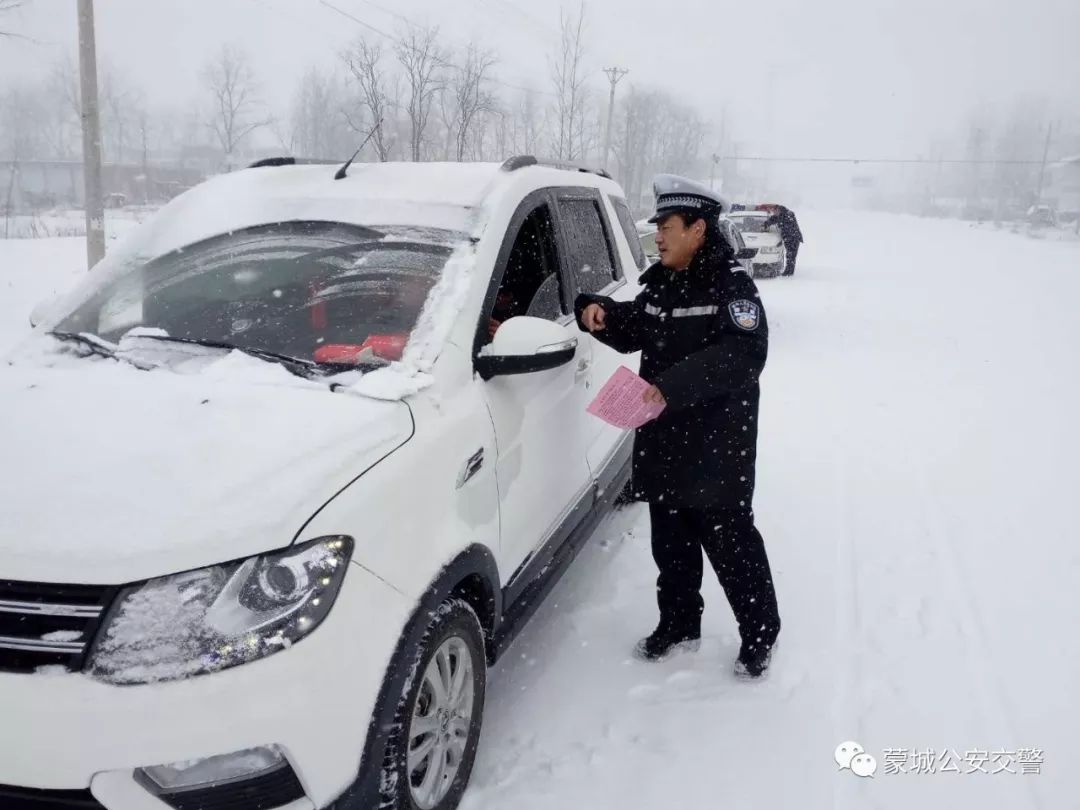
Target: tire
453	639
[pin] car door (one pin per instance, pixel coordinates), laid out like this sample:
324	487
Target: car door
595	265
539	418
731	232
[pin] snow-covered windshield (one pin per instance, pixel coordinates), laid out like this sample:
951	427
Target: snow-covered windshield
752	223
314	290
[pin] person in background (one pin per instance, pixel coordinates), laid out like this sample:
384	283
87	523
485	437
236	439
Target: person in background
784	218
702	332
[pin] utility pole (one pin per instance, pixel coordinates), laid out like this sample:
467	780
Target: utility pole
91	132
614	75
1042	166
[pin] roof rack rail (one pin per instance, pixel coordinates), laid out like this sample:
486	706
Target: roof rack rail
291	161
521	161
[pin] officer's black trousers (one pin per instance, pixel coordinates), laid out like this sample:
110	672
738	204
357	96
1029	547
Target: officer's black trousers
737	553
793	254
792	248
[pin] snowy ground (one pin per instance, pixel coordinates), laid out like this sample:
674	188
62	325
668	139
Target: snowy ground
918	495
32	270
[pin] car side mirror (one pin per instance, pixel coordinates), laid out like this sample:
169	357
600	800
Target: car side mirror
525	345
746	253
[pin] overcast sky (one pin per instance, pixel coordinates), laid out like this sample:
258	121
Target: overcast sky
832	77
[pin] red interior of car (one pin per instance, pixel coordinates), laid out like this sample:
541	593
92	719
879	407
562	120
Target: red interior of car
387	347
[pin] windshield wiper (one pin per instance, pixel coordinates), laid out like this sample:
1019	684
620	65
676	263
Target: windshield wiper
308	367
102	348
296	365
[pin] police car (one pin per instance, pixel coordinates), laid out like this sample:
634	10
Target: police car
288	471
729	228
770	259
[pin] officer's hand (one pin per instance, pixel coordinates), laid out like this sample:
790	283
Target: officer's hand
593	317
653	395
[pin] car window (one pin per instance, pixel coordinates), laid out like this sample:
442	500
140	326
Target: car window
731	232
293	288
531	282
629	229
752	224
591	254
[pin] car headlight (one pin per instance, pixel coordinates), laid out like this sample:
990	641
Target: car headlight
214	618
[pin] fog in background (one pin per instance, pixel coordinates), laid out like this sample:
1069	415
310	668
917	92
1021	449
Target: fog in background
708	83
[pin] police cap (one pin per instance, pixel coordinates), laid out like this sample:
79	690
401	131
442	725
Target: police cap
679	195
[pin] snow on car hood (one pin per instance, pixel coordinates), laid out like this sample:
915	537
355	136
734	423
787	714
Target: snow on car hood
110	474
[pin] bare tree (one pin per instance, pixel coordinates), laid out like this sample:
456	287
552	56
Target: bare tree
446	106
656	133
364	62
317	124
20	137
116	120
422	60
471	99
236	109
568	79
501	122
527	121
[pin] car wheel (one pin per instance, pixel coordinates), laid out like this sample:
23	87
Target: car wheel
430	753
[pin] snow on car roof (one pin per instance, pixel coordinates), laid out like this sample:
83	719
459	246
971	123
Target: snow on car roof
428	195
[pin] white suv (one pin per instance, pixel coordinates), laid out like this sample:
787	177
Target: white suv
275	496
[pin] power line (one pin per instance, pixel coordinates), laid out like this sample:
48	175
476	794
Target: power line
357	20
533	22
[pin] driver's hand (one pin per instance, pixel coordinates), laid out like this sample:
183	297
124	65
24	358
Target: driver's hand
493	327
593	317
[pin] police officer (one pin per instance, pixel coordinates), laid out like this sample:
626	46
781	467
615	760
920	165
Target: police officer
701	329
790	233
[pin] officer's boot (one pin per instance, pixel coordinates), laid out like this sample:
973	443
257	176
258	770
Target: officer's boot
753	663
667	640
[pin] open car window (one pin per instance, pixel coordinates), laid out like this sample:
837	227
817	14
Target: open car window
532	284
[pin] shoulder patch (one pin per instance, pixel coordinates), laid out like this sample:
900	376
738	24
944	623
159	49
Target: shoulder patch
745	314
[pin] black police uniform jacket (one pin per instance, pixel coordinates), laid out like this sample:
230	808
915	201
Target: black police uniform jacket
703	339
789	226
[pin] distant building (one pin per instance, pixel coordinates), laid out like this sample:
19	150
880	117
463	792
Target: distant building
1062	190
36	185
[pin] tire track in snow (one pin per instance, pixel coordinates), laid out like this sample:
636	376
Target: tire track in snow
994	703
847	719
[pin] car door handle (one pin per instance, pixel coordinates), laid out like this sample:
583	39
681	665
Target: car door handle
582	371
471	468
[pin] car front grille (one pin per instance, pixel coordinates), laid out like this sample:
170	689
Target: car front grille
275	788
20	798
49	625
